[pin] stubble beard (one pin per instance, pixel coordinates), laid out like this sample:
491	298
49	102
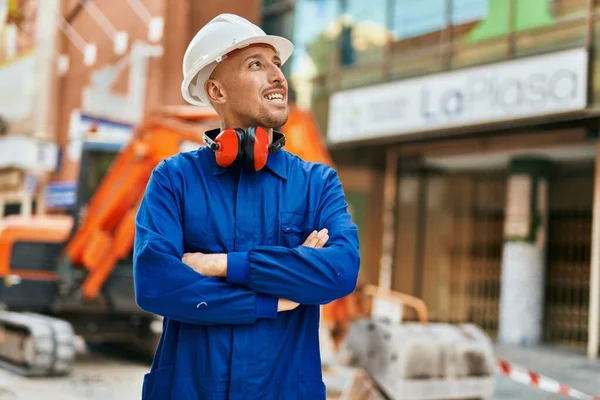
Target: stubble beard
267	119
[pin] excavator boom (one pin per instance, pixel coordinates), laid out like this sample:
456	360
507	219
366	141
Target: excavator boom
106	233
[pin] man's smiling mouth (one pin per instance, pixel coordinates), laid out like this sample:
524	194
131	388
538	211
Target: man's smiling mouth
275	97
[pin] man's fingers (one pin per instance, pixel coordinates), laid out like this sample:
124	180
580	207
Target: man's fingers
190	258
322	240
311	240
317	239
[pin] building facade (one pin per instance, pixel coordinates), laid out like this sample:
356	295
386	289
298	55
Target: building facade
465	132
70	67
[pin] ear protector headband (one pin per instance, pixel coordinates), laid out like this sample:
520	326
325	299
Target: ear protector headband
249	147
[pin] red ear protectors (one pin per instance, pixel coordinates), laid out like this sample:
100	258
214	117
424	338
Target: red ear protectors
249	147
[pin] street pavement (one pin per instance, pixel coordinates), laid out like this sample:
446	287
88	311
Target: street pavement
568	367
96	377
103	376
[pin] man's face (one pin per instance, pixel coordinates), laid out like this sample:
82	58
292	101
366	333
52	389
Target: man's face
253	88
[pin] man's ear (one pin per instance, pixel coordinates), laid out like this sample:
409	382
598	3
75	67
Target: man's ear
215	91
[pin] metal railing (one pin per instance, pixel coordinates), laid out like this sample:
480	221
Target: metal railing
568	270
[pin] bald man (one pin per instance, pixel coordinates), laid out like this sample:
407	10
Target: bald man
238	243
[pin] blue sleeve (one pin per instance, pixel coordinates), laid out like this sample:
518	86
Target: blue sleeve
165	286
304	274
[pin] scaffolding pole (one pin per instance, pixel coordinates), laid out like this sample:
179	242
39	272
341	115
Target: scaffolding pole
594	307
390	197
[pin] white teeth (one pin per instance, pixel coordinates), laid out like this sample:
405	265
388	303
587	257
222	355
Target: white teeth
274	96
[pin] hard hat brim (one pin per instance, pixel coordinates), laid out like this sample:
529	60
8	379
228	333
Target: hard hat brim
282	46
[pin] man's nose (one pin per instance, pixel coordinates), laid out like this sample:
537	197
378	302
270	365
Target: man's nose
276	74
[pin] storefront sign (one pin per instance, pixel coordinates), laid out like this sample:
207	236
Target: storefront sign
60	195
532	86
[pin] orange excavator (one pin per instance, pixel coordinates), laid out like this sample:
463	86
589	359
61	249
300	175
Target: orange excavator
72	275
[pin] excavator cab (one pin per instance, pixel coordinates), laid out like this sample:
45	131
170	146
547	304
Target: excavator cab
95	165
96	159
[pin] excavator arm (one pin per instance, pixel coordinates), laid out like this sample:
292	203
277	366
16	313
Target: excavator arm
107	231
304	137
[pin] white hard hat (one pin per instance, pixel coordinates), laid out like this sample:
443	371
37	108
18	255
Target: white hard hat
213	42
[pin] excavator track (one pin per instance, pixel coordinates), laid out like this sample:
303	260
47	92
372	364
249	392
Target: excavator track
36	345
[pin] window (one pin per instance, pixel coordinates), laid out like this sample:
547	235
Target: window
425	16
366	31
314	21
280	24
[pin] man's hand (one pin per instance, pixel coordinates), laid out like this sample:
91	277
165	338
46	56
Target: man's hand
286	305
207	264
317	239
216	264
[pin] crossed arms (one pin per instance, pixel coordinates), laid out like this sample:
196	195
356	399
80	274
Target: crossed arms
239	287
216	264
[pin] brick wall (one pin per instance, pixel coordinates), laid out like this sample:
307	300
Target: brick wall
183	18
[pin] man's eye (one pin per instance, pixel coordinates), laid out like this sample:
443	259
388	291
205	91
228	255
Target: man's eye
255	64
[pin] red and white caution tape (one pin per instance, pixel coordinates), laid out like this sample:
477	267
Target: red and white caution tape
530	378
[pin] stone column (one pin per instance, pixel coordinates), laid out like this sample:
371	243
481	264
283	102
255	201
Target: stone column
523	257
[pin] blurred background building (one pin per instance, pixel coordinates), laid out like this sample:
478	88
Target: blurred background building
464	132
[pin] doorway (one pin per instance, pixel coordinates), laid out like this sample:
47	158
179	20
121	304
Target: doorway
449	243
450	238
568	257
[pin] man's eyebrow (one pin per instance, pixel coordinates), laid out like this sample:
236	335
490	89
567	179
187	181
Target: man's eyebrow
258	55
255	55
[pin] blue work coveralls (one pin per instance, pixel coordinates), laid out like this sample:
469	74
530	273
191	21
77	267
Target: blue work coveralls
222	337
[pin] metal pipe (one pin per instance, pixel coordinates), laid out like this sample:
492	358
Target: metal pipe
594	306
594	301
390	196
403	299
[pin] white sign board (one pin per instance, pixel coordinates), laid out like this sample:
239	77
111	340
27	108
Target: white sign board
60	195
25	152
88	128
527	87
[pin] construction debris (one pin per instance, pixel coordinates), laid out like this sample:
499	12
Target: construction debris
382	356
423	361
347	383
